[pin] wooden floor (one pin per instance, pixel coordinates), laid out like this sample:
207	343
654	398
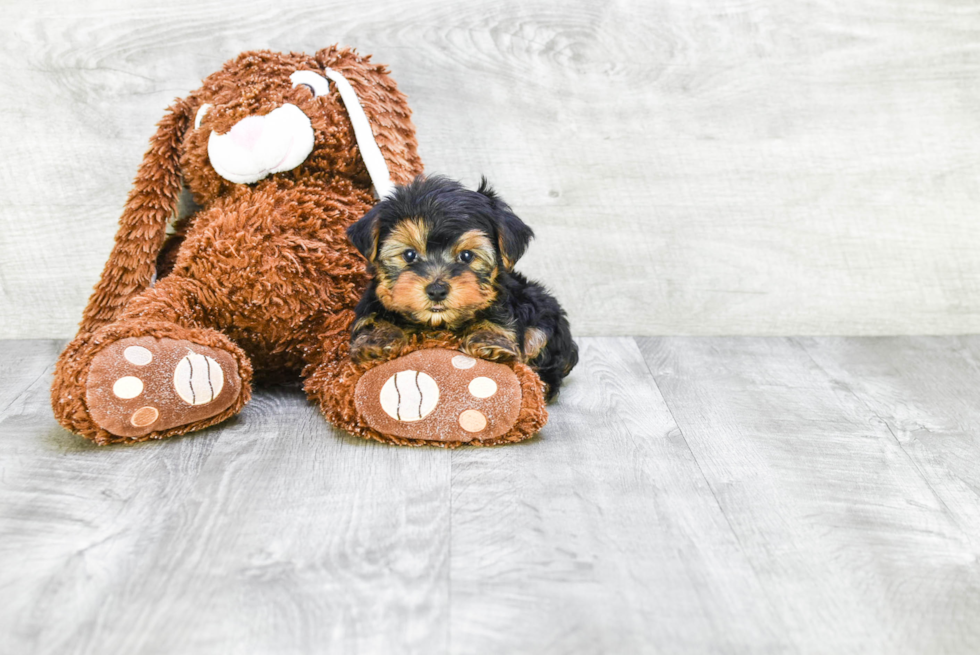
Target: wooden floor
703	495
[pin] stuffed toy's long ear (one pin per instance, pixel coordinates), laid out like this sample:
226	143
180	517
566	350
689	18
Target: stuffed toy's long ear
513	234
143	224
364	234
385	106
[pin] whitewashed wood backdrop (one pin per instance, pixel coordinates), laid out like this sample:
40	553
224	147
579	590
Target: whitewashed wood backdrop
690	166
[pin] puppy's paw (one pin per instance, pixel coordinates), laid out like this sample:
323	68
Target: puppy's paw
491	346
377	343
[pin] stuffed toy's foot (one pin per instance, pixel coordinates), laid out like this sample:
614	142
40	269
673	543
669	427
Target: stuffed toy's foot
140	385
429	394
439	395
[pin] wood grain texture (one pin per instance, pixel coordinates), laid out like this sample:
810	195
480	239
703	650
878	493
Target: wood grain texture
601	536
868	549
708	495
689	167
925	395
269	534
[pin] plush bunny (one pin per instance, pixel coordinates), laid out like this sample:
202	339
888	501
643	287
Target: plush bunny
282	152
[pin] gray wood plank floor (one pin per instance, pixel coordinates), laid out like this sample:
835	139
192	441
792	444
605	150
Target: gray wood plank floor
690	494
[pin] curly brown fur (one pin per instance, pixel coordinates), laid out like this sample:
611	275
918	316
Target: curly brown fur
263	270
442	258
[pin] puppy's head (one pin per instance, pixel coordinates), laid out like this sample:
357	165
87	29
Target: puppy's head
437	248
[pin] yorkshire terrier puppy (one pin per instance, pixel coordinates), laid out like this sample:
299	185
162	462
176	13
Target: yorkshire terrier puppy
442	258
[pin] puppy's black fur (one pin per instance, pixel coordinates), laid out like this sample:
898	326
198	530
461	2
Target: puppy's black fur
442	257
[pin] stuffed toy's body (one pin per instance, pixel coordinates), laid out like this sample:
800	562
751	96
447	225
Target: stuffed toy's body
282	152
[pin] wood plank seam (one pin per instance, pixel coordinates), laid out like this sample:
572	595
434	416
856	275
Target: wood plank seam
680	430
884	422
47	371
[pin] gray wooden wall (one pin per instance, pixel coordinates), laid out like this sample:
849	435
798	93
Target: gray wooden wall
690	166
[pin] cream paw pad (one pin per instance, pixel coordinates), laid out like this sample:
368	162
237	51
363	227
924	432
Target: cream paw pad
439	395
140	385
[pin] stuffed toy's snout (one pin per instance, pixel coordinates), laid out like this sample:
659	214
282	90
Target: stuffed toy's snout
259	145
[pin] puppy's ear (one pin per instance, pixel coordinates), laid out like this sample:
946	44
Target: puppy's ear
513	235
364	234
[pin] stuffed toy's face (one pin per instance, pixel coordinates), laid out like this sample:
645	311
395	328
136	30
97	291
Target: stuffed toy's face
268	114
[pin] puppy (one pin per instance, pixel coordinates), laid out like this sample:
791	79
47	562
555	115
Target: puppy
442	258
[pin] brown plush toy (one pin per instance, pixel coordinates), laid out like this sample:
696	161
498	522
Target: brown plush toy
281	152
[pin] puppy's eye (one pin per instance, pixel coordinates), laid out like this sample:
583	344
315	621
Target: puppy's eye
410	255
466	256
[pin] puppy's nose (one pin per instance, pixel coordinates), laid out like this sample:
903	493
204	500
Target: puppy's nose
437	291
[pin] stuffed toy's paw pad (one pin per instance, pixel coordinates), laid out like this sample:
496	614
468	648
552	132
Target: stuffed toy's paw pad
140	385
439	395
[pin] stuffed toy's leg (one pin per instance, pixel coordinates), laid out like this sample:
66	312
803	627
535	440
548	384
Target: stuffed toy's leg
430	394
154	372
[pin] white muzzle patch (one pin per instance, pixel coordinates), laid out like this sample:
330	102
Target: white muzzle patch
258	146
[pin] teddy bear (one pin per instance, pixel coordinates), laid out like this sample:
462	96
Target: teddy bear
281	153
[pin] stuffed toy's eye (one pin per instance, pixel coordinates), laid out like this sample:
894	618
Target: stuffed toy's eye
317	84
202	110
410	255
466	256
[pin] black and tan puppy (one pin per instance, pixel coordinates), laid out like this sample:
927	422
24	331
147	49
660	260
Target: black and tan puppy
442	258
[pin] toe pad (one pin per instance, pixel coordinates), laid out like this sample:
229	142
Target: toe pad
140	385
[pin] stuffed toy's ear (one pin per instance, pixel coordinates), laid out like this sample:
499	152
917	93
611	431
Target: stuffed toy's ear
364	234
513	234
384	105
143	224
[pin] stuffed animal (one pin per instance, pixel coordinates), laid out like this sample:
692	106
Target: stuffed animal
282	152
